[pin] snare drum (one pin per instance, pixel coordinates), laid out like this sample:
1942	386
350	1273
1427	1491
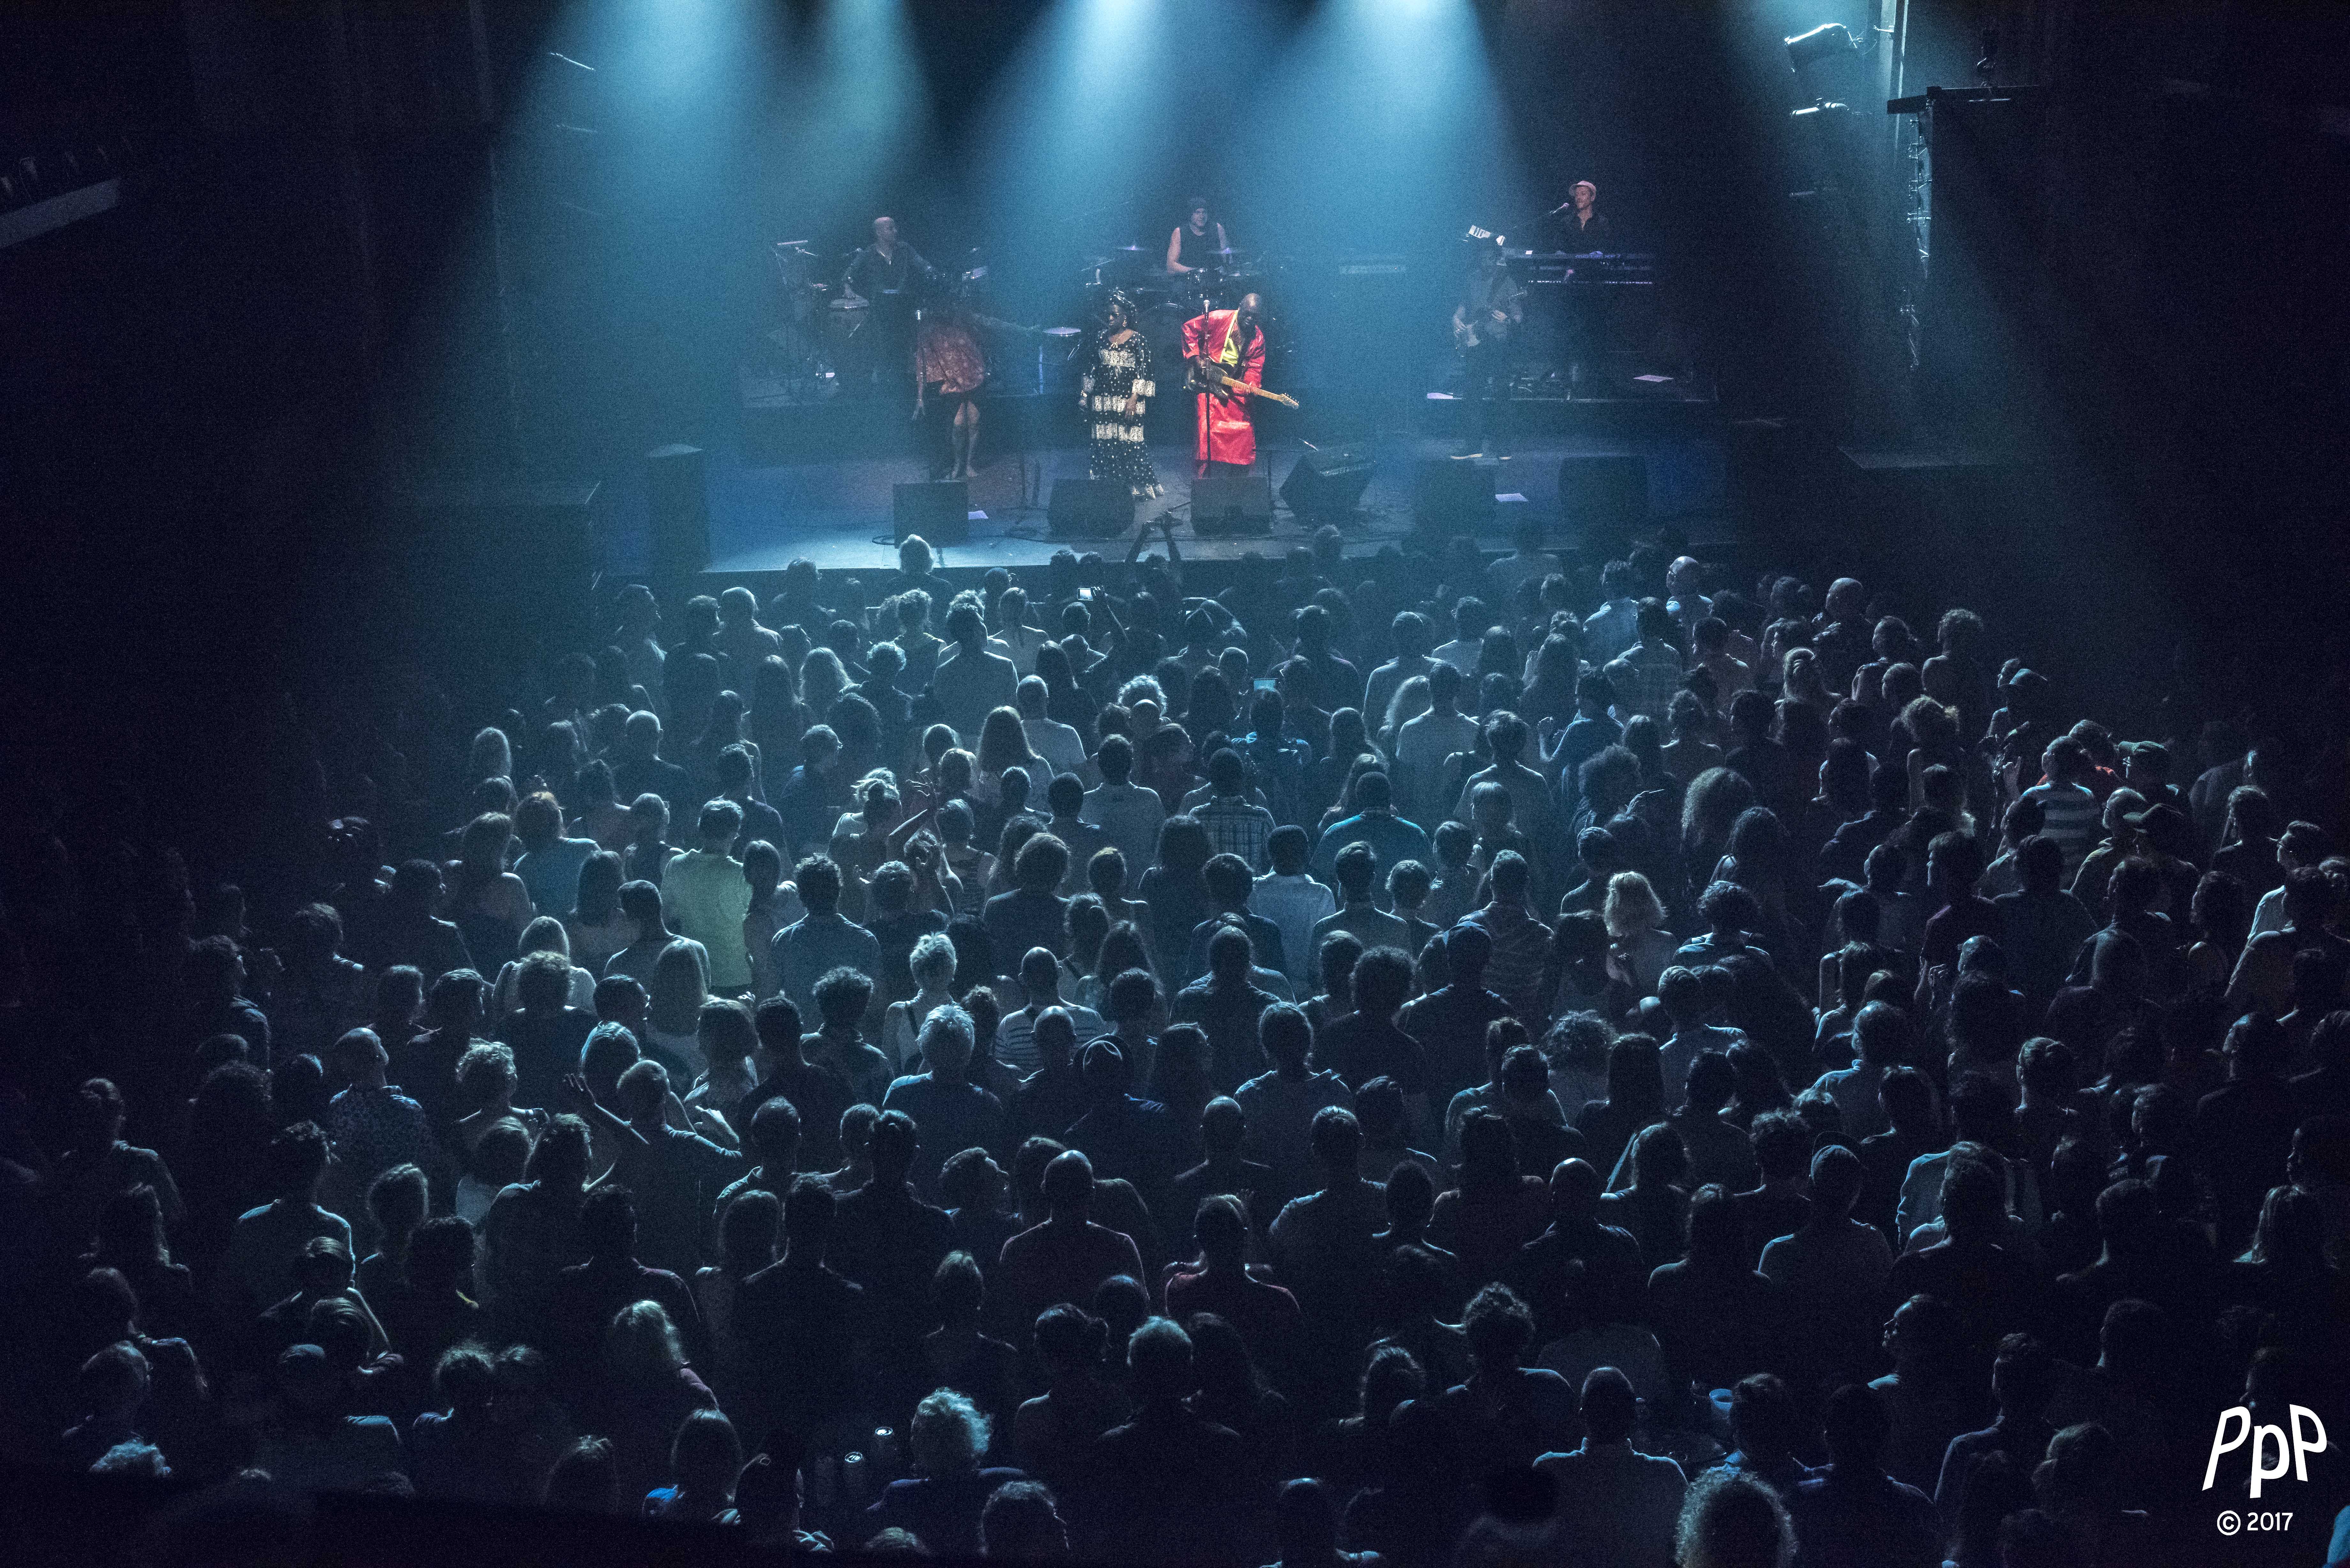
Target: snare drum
843	320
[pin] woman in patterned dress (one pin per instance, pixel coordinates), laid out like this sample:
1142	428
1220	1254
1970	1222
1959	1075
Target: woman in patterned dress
948	370
1114	394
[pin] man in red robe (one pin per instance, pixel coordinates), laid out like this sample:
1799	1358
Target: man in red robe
1231	341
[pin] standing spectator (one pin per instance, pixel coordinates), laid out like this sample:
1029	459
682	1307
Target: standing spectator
1853	1514
1506	1414
1449	1022
1228	1006
1235	824
259	1267
823	939
1063	1258
2069	808
1375	825
1521	943
1616	1505
1646	675
1032	914
890	1240
708	897
1610	630
951	1113
550	862
1281	1105
371	1125
676	1175
972	679
1128	815
1830	1268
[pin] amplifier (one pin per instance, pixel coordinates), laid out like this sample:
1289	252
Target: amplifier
1089	508
1232	504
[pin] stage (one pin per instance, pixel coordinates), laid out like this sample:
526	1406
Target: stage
828	496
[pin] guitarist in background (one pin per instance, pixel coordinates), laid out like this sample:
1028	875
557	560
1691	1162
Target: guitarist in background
1226	346
1485	327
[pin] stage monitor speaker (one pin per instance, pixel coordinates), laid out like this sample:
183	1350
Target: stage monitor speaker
1327	484
1231	504
1450	495
1089	508
1604	500
678	503
940	511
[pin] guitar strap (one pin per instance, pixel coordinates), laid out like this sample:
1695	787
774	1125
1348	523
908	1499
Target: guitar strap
1229	353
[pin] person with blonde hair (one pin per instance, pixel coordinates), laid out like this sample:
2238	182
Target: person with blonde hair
486	1080
933	964
545	934
646	1391
1640	949
940	1504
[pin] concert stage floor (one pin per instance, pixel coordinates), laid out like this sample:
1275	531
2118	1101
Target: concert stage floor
837	511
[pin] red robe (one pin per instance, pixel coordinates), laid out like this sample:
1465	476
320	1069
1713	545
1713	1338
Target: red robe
1224	432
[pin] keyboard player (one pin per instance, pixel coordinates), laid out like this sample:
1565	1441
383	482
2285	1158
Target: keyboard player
1576	224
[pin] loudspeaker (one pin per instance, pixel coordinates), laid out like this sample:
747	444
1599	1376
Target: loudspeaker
940	511
1231	504
678	504
1089	508
1604	500
1327	484
1450	495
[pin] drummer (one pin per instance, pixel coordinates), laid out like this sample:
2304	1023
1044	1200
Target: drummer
885	273
1199	237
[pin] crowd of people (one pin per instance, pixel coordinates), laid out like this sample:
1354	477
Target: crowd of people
1448	1057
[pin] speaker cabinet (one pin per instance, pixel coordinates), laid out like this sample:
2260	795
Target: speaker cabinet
1450	495
1089	508
1604	500
1232	504
1328	484
939	509
677	499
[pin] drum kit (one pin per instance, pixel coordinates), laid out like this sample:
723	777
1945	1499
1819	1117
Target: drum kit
1162	300
818	330
1166	300
824	336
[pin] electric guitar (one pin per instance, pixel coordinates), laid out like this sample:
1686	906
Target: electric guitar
1494	327
1218	381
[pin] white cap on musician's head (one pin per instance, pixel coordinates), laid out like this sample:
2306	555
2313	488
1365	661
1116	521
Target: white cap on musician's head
1586	186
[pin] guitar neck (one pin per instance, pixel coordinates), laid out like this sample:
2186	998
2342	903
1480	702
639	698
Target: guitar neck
1232	386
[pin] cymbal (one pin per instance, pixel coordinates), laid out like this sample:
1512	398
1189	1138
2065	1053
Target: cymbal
1060	332
1137	250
